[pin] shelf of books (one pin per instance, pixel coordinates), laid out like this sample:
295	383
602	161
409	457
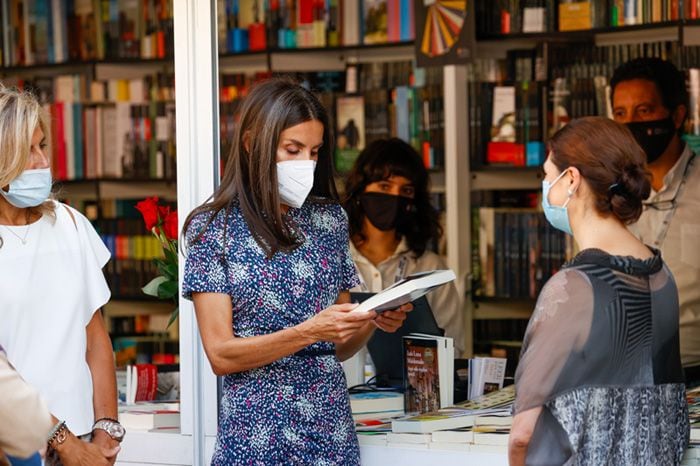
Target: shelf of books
537	68
104	72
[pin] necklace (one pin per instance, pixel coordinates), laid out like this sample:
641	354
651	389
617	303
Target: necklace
22	238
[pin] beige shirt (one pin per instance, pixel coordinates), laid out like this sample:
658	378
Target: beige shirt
25	420
677	234
444	301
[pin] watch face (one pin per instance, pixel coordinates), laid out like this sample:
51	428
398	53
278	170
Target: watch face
116	431
113	429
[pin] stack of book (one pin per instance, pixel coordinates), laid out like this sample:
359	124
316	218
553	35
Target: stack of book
372	405
150	416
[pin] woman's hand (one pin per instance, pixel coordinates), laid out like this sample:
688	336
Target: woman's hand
75	452
335	323
107	443
391	321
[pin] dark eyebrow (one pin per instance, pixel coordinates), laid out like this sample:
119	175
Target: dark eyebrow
301	144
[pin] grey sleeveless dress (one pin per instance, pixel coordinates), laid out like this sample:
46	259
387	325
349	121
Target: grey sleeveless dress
601	357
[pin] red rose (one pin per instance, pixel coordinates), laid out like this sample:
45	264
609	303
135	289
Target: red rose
170	225
163	212
149	209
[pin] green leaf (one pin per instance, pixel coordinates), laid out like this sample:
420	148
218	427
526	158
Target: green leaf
173	316
167	289
170	256
152	287
170	271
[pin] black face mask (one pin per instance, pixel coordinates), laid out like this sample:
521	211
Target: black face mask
653	136
385	211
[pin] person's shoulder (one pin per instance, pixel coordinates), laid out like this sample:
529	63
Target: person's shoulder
326	207
566	281
76	217
566	286
206	221
429	260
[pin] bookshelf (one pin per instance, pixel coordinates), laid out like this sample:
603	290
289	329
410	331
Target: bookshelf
576	57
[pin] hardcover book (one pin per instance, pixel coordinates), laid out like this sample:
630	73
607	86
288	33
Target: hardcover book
406	290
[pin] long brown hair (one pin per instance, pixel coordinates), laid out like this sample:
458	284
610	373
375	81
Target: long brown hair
611	162
250	177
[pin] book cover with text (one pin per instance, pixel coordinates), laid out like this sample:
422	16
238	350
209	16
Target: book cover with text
421	375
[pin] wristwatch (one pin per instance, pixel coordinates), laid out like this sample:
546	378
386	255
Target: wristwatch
112	427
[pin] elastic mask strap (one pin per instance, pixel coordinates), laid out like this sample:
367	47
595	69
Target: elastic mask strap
569	192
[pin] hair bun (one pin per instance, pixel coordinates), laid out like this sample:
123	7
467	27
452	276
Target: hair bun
627	194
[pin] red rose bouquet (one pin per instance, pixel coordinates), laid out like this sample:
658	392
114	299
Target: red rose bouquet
162	222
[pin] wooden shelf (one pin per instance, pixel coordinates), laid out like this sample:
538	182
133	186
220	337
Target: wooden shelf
116	188
496	46
650	29
125	308
503	308
506	178
316	58
78	64
129	308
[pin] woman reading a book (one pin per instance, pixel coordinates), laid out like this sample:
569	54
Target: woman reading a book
600	378
51	289
392	225
268	269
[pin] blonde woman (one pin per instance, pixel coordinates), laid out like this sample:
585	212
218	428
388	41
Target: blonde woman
51	288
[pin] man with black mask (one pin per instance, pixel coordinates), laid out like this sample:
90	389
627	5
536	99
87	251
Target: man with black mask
649	95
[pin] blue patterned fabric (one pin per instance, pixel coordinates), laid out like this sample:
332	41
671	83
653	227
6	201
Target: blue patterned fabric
296	410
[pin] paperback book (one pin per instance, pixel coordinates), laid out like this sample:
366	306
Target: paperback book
428	372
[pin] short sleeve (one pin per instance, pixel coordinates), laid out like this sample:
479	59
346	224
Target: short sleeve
95	257
205	265
559	326
348	272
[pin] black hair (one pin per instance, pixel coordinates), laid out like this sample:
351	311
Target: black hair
380	160
669	81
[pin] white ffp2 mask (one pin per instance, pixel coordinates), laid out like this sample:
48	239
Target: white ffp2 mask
295	178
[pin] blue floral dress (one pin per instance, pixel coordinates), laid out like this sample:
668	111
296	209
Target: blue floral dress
296	410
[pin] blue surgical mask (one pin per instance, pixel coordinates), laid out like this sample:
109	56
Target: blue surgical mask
29	189
557	216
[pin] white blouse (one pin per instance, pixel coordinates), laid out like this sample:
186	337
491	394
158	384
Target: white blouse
50	286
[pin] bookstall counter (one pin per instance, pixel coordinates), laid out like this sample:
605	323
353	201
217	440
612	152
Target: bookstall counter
381	455
378	455
155	448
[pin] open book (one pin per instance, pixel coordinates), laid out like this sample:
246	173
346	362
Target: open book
404	291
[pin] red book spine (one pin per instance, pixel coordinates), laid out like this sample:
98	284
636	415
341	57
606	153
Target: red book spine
60	169
306	11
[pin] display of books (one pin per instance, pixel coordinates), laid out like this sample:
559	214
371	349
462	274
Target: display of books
147	416
486	375
373	404
442	419
404	291
458	416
